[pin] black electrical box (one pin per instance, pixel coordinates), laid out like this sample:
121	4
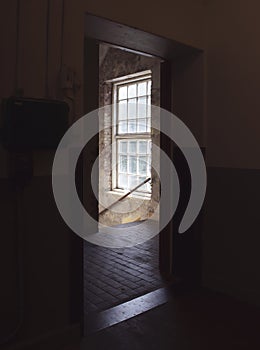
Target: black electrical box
31	124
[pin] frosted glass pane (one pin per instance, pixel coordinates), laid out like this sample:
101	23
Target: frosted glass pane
122	146
133	181
122	92
132	90
122	181
132	108
149	108
132	165
132	146
141	125
149	186
141	110
143	166
122	127
132	126
149	87
122	110
122	164
144	187
148	125
149	150
142	88
142	147
148	170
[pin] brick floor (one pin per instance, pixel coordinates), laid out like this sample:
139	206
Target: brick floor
113	276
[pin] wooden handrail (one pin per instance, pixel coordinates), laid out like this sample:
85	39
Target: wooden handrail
125	195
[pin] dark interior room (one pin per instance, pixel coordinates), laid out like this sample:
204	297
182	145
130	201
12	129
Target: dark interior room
130	174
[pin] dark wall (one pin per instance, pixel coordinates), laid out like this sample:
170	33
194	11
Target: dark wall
231	260
30	222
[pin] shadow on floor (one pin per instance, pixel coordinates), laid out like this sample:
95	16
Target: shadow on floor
201	320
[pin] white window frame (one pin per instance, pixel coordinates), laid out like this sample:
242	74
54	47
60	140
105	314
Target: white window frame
133	78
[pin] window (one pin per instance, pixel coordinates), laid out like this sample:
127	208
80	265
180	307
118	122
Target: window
132	132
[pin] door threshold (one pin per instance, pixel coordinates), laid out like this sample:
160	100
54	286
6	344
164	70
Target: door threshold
125	311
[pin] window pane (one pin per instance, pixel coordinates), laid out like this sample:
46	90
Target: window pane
148	125
122	110
142	88
143	166
149	186
122	127
148	113
122	92
149	87
122	164
132	146
122	181
142	107
133	181
142	147
132	165
132	108
132	126
148	170
141	125
132	90
144	187
149	147
122	146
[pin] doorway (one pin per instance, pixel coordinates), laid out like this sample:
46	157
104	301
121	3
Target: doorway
129	186
184	65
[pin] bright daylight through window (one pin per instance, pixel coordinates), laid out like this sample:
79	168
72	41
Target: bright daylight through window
132	133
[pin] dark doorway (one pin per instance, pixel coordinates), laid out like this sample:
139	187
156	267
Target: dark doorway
184	65
114	276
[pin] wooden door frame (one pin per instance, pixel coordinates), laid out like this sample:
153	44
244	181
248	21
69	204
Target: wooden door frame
181	63
106	31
